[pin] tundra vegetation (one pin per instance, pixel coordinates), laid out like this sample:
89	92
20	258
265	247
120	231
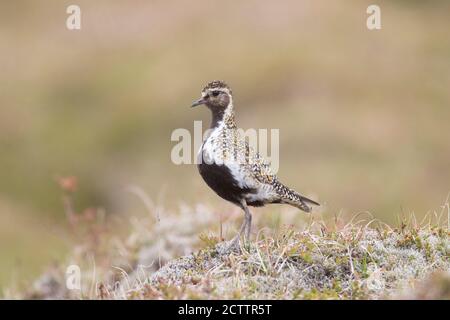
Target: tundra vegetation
182	255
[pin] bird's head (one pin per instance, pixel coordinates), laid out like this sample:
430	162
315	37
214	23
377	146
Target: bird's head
216	95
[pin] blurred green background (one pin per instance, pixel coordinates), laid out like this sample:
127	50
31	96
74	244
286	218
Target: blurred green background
363	115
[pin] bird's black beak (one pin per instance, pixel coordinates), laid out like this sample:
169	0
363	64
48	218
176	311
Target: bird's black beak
198	102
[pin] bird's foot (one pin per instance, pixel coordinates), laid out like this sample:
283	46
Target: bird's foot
235	244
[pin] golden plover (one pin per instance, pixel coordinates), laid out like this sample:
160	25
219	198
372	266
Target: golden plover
232	168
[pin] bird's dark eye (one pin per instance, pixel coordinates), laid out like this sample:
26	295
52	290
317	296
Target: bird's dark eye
215	93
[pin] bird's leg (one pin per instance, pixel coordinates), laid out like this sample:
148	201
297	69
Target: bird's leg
248	219
246	225
235	240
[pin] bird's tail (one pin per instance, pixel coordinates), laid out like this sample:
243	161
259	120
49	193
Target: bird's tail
295	199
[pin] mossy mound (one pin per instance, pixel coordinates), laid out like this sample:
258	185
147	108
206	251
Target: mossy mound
355	263
364	260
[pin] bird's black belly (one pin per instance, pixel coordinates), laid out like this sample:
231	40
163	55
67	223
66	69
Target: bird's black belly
220	179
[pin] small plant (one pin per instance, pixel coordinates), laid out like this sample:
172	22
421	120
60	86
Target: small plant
209	240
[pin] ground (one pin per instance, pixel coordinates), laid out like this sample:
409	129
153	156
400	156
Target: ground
167	258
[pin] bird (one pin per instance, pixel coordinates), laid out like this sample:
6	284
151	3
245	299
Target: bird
232	168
